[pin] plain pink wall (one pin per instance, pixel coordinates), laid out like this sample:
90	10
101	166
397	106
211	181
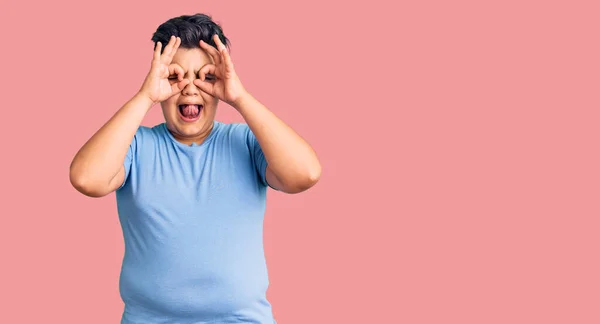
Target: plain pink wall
459	140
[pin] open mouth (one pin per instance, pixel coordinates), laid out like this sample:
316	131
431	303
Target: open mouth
189	112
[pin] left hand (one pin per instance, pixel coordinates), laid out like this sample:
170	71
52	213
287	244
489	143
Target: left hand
225	84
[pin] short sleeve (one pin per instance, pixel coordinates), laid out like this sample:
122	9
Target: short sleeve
258	157
130	157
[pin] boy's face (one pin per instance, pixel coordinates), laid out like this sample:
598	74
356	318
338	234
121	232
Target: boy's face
195	129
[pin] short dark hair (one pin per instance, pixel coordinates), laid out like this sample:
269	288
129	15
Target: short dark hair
191	29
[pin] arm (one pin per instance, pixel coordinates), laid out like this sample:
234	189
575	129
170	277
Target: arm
98	168
293	165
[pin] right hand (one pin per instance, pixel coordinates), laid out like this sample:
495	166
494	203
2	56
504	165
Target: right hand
157	86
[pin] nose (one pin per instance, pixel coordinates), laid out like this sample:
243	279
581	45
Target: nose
190	89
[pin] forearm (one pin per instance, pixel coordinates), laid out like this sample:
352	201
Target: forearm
102	156
291	159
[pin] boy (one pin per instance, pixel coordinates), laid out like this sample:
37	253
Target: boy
191	191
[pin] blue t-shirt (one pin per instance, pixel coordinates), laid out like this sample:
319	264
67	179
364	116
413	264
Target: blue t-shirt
192	220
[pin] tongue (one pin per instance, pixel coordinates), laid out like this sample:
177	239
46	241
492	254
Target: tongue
190	110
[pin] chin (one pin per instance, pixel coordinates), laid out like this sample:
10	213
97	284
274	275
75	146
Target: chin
188	129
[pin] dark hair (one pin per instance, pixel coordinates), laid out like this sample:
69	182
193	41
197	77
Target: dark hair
191	29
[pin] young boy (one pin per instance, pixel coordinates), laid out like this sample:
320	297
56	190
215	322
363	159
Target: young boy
191	191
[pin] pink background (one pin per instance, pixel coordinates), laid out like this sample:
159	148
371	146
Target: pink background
459	144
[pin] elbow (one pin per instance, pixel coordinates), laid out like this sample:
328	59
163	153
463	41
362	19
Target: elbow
305	182
86	186
313	177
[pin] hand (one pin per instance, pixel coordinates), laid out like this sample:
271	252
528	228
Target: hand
158	86
225	84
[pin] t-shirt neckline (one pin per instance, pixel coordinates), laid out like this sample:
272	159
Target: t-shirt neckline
194	146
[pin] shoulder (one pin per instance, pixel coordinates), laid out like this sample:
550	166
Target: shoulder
234	133
152	134
144	135
232	129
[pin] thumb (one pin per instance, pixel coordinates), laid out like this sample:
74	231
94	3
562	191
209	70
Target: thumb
176	69
207	72
205	86
178	86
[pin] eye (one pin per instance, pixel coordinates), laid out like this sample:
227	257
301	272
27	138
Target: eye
173	77
210	77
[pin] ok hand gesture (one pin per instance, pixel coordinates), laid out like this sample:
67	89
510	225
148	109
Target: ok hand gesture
219	79
157	86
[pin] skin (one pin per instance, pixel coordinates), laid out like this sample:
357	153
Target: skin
204	76
186	65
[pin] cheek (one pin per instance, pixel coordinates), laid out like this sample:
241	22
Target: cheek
208	99
169	104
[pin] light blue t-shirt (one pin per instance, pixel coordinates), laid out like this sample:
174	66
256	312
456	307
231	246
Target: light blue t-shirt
192	220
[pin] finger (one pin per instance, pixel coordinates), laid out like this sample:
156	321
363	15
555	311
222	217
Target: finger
205	86
211	51
157	48
175	47
227	59
176	69
168	46
217	40
207	69
224	53
167	52
179	86
176	42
